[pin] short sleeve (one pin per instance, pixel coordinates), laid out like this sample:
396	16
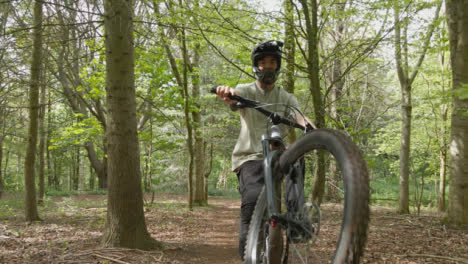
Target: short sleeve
242	90
293	101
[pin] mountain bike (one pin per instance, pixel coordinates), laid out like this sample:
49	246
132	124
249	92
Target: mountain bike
290	233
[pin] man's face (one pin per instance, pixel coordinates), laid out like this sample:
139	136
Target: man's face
268	63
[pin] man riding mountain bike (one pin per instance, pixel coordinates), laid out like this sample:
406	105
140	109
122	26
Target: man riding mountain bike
247	157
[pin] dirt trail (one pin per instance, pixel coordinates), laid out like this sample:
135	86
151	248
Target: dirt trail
71	234
212	236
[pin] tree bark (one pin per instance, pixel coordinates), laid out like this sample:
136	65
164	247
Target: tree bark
2	186
199	153
337	84
188	124
42	132
406	81
289	53
29	178
2	137
199	145
208	170
50	178
442	145
125	226
443	160
182	81
312	60
457	20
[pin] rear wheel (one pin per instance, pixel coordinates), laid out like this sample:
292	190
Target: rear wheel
342	220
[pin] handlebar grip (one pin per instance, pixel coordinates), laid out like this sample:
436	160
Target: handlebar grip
213	90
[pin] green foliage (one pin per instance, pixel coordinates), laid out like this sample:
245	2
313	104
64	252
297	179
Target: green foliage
78	133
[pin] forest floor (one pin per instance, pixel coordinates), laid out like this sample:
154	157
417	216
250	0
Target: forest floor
71	229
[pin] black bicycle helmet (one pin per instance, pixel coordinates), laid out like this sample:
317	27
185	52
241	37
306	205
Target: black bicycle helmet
261	50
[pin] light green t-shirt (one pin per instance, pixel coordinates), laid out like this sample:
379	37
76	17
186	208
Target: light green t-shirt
254	124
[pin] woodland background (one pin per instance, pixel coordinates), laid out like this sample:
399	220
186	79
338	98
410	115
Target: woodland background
380	71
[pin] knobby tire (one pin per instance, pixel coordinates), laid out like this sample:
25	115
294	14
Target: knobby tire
354	226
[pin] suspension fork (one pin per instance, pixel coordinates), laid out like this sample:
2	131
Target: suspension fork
272	148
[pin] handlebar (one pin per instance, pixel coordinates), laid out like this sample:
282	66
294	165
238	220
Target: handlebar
273	116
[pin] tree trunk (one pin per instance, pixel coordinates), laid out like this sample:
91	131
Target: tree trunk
50	178
406	81
443	159
208	171
182	81
42	132
457	20
290	51
100	167
76	173
29	179
199	150
125	226
188	124
2	186
55	178
312	60
406	109
402	70
92	178
336	78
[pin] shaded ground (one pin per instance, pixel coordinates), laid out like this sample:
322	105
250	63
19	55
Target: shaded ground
72	227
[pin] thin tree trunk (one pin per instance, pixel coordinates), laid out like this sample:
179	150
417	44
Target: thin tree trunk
442	146
315	89
150	152
2	186
336	90
182	81
208	171
457	20
42	132
443	160
55	178
406	81
50	178
29	179
187	121
199	153
92	178
290	51
76	178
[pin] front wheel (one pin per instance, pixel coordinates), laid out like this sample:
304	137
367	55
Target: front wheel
344	216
